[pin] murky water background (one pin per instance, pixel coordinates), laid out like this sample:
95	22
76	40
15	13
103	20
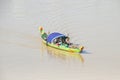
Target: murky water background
92	23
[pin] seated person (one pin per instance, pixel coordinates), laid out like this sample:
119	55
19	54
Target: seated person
58	41
67	41
54	41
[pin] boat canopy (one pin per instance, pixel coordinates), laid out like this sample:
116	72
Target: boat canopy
53	36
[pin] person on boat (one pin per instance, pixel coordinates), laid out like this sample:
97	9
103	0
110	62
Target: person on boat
67	41
58	41
54	41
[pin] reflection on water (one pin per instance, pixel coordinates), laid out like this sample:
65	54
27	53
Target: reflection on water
33	42
64	55
93	23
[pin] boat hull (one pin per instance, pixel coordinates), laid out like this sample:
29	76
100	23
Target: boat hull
62	47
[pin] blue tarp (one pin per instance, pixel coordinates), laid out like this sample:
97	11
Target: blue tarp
53	36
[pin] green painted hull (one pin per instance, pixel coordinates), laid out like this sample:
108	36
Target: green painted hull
63	47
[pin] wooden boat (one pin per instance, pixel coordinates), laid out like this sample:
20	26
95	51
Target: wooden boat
49	39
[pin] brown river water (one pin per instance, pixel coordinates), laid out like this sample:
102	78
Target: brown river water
95	24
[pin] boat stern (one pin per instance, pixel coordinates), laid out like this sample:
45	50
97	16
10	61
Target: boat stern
81	48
